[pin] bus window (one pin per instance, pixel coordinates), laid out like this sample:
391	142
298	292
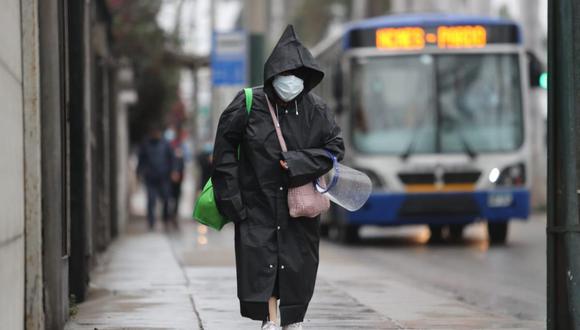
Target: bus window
480	103
437	104
392	100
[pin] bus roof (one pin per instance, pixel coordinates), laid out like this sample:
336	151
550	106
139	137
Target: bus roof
427	20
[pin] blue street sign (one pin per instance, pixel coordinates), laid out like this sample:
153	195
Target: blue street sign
229	58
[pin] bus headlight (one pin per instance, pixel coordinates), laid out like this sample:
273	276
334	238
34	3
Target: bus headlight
511	176
494	175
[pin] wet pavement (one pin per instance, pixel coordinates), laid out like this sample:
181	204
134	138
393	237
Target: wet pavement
391	280
137	285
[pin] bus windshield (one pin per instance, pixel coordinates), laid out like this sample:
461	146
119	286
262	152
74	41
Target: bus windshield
447	103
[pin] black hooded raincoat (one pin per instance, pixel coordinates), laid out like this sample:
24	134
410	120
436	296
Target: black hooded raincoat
275	255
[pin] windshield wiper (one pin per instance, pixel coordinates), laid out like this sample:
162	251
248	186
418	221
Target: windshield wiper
410	147
466	147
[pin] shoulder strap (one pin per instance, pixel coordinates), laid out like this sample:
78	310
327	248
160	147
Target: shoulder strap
249	96
277	126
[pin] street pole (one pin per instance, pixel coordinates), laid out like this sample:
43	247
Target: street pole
255	20
563	230
359	9
278	20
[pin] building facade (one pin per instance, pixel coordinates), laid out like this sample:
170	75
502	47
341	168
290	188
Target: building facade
61	156
12	199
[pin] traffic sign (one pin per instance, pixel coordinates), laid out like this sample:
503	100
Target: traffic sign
229	58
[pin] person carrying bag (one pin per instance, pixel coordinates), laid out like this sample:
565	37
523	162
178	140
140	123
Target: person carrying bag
206	211
276	234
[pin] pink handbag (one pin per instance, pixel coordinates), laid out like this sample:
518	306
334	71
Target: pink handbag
303	201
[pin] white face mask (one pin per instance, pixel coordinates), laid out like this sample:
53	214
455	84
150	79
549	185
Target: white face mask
288	87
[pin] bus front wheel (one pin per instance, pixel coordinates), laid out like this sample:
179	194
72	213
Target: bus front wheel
456	232
339	229
497	232
436	234
344	233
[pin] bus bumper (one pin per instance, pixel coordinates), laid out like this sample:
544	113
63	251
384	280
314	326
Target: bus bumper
499	205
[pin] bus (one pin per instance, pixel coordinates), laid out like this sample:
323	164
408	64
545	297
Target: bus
434	109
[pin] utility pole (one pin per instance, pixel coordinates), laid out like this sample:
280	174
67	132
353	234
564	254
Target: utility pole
255	20
278	20
563	229
359	9
482	7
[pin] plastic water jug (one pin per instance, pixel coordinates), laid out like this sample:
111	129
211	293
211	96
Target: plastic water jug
345	186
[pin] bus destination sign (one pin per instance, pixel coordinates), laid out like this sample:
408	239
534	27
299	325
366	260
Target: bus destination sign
416	38
442	36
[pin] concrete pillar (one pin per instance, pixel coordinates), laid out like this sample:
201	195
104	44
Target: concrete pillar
54	176
34	313
79	263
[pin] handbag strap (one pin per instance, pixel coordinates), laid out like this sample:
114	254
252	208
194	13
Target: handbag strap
277	126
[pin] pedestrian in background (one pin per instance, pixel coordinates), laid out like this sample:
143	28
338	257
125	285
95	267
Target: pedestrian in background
177	142
204	162
176	182
156	164
276	256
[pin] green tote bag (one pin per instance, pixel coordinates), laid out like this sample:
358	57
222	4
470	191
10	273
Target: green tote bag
206	211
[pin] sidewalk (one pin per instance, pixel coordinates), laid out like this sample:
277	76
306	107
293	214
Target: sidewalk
138	284
186	280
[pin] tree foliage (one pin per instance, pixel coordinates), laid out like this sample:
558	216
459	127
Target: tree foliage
141	40
313	17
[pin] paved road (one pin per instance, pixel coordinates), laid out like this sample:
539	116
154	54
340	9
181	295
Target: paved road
507	279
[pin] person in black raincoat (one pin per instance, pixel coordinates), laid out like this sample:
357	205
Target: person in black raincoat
276	256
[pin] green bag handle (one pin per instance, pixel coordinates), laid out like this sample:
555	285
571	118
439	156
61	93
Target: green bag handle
248	92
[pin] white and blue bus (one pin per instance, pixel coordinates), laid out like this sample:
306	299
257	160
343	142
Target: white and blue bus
434	109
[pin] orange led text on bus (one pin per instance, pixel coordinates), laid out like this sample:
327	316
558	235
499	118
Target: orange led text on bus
400	38
461	36
415	38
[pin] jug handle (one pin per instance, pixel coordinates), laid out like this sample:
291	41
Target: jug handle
334	177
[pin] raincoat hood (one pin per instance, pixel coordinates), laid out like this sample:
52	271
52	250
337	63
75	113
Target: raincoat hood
290	54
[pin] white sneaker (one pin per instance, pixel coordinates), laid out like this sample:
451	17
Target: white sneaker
270	325
293	326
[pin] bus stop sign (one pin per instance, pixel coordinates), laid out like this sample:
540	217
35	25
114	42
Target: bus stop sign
229	58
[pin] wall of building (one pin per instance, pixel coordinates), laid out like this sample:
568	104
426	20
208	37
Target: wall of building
11	169
33	295
40	57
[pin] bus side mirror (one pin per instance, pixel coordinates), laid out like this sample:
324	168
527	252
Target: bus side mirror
337	88
537	72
